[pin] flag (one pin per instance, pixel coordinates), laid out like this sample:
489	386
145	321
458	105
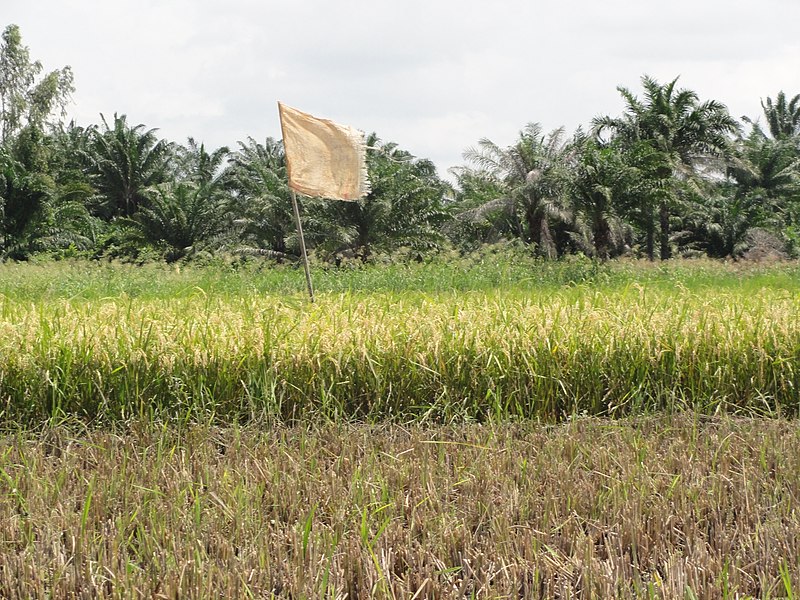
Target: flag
323	158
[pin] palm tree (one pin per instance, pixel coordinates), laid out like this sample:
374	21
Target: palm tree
69	152
681	136
601	180
261	203
177	217
124	161
404	206
196	164
481	214
66	222
766	174
24	196
37	212
720	225
767	170
783	118
533	173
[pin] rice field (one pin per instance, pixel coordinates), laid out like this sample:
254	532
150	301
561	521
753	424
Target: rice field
677	506
487	428
517	351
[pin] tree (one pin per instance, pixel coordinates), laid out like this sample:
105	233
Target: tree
481	213
23	198
190	210
124	161
23	99
69	151
403	208
601	178
38	211
256	176
677	134
194	163
719	225
783	118
177	217
534	174
766	171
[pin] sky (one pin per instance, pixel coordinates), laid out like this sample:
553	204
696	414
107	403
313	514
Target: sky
433	76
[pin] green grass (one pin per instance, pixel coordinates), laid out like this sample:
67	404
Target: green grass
491	270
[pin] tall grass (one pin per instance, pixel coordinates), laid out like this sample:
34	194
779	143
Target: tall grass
82	280
112	343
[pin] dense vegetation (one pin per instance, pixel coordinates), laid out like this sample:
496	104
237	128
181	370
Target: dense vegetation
672	175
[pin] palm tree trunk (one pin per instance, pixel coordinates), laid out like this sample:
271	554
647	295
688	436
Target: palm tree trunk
650	235
602	237
539	232
666	251
363	244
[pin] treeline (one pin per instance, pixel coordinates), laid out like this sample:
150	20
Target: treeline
671	176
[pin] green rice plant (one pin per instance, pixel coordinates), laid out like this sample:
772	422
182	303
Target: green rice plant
487	354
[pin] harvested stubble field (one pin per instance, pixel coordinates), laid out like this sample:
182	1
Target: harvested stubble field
655	507
434	430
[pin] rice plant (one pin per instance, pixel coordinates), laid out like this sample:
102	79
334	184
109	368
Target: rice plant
205	353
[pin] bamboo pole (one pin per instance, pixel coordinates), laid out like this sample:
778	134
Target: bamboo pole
302	244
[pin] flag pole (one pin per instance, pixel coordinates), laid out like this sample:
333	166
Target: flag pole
302	244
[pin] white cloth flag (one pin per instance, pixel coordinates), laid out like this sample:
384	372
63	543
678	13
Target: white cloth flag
323	158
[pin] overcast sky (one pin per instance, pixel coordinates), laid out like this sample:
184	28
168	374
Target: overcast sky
434	76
